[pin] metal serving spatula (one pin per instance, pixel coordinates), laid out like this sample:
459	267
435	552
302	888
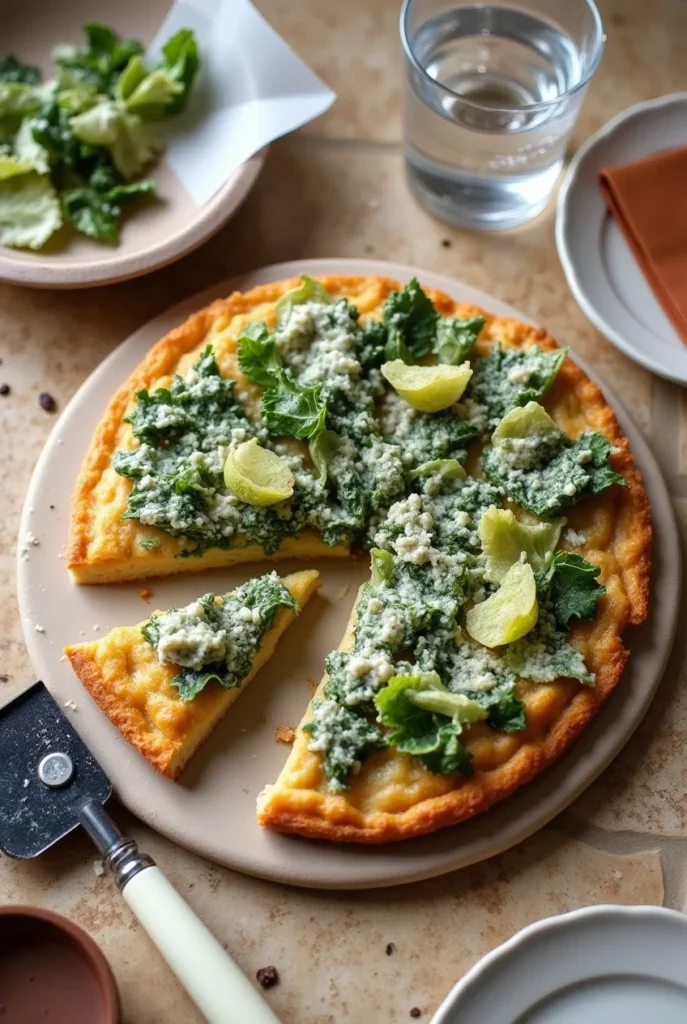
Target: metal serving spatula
50	783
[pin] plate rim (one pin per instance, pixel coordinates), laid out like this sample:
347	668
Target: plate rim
412	864
563	214
113	268
531	932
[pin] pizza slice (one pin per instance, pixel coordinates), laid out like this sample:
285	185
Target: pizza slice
167	682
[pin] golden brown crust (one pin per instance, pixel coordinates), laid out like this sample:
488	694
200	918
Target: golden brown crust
135	691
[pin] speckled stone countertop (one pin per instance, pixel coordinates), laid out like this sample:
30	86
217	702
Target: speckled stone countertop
336	188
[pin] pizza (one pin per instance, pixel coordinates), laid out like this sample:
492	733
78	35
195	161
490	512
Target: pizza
466	456
168	681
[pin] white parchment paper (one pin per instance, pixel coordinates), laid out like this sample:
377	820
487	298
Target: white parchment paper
251	89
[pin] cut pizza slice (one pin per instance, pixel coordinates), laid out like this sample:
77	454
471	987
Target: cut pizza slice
167	682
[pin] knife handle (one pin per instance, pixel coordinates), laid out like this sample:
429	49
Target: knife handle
214	982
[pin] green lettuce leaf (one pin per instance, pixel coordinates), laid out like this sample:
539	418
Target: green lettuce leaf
180	63
12	70
11	166
29	211
382	565
154	94
411	322
570	584
308	290
127	137
257	354
28	151
18	100
456	338
425	719
323	449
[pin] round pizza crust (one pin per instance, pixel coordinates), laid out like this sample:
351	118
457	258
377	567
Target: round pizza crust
211	809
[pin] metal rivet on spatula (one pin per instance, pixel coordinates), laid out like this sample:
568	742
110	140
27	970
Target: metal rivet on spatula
55	769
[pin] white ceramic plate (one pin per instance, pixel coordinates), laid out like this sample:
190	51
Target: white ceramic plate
602	271
155	234
600	965
212	808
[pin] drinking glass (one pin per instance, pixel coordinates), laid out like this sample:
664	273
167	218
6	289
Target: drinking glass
492	92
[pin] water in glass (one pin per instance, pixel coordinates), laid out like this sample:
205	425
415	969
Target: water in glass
488	109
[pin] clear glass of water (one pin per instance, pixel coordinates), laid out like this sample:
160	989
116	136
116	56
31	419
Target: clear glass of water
492	92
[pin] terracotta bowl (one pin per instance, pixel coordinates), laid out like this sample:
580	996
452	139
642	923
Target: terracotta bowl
52	970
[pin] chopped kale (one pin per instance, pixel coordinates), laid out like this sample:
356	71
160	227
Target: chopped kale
343	737
560	472
505	711
257	355
544	654
211	641
511	377
440	435
571	586
411	322
290	409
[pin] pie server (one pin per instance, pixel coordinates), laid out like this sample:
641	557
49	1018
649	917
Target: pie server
50	783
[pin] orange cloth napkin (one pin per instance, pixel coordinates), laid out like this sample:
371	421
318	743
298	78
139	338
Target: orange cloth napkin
648	199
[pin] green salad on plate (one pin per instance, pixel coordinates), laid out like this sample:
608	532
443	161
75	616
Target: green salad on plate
73	149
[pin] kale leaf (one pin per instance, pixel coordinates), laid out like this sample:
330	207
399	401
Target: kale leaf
507	378
559	481
544	654
411	322
570	585
505	711
97	213
257	354
13	70
456	338
292	410
344	738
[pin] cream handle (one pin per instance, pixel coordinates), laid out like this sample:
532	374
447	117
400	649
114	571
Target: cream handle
214	982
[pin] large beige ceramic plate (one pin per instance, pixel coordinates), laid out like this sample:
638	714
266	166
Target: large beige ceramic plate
212	808
158	232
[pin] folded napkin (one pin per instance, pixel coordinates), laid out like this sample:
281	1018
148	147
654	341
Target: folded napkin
648	199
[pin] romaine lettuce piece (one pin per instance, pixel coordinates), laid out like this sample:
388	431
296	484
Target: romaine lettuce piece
29	211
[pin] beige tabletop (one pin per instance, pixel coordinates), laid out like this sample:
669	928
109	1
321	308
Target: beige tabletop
336	188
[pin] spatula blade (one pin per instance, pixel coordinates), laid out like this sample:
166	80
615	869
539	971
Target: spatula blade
33	815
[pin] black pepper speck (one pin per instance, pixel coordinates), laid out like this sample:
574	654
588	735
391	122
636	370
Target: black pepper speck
267	976
416	1012
390	948
5	389
47	402
446	242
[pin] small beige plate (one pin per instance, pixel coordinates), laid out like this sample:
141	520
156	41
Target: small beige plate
157	232
212	808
